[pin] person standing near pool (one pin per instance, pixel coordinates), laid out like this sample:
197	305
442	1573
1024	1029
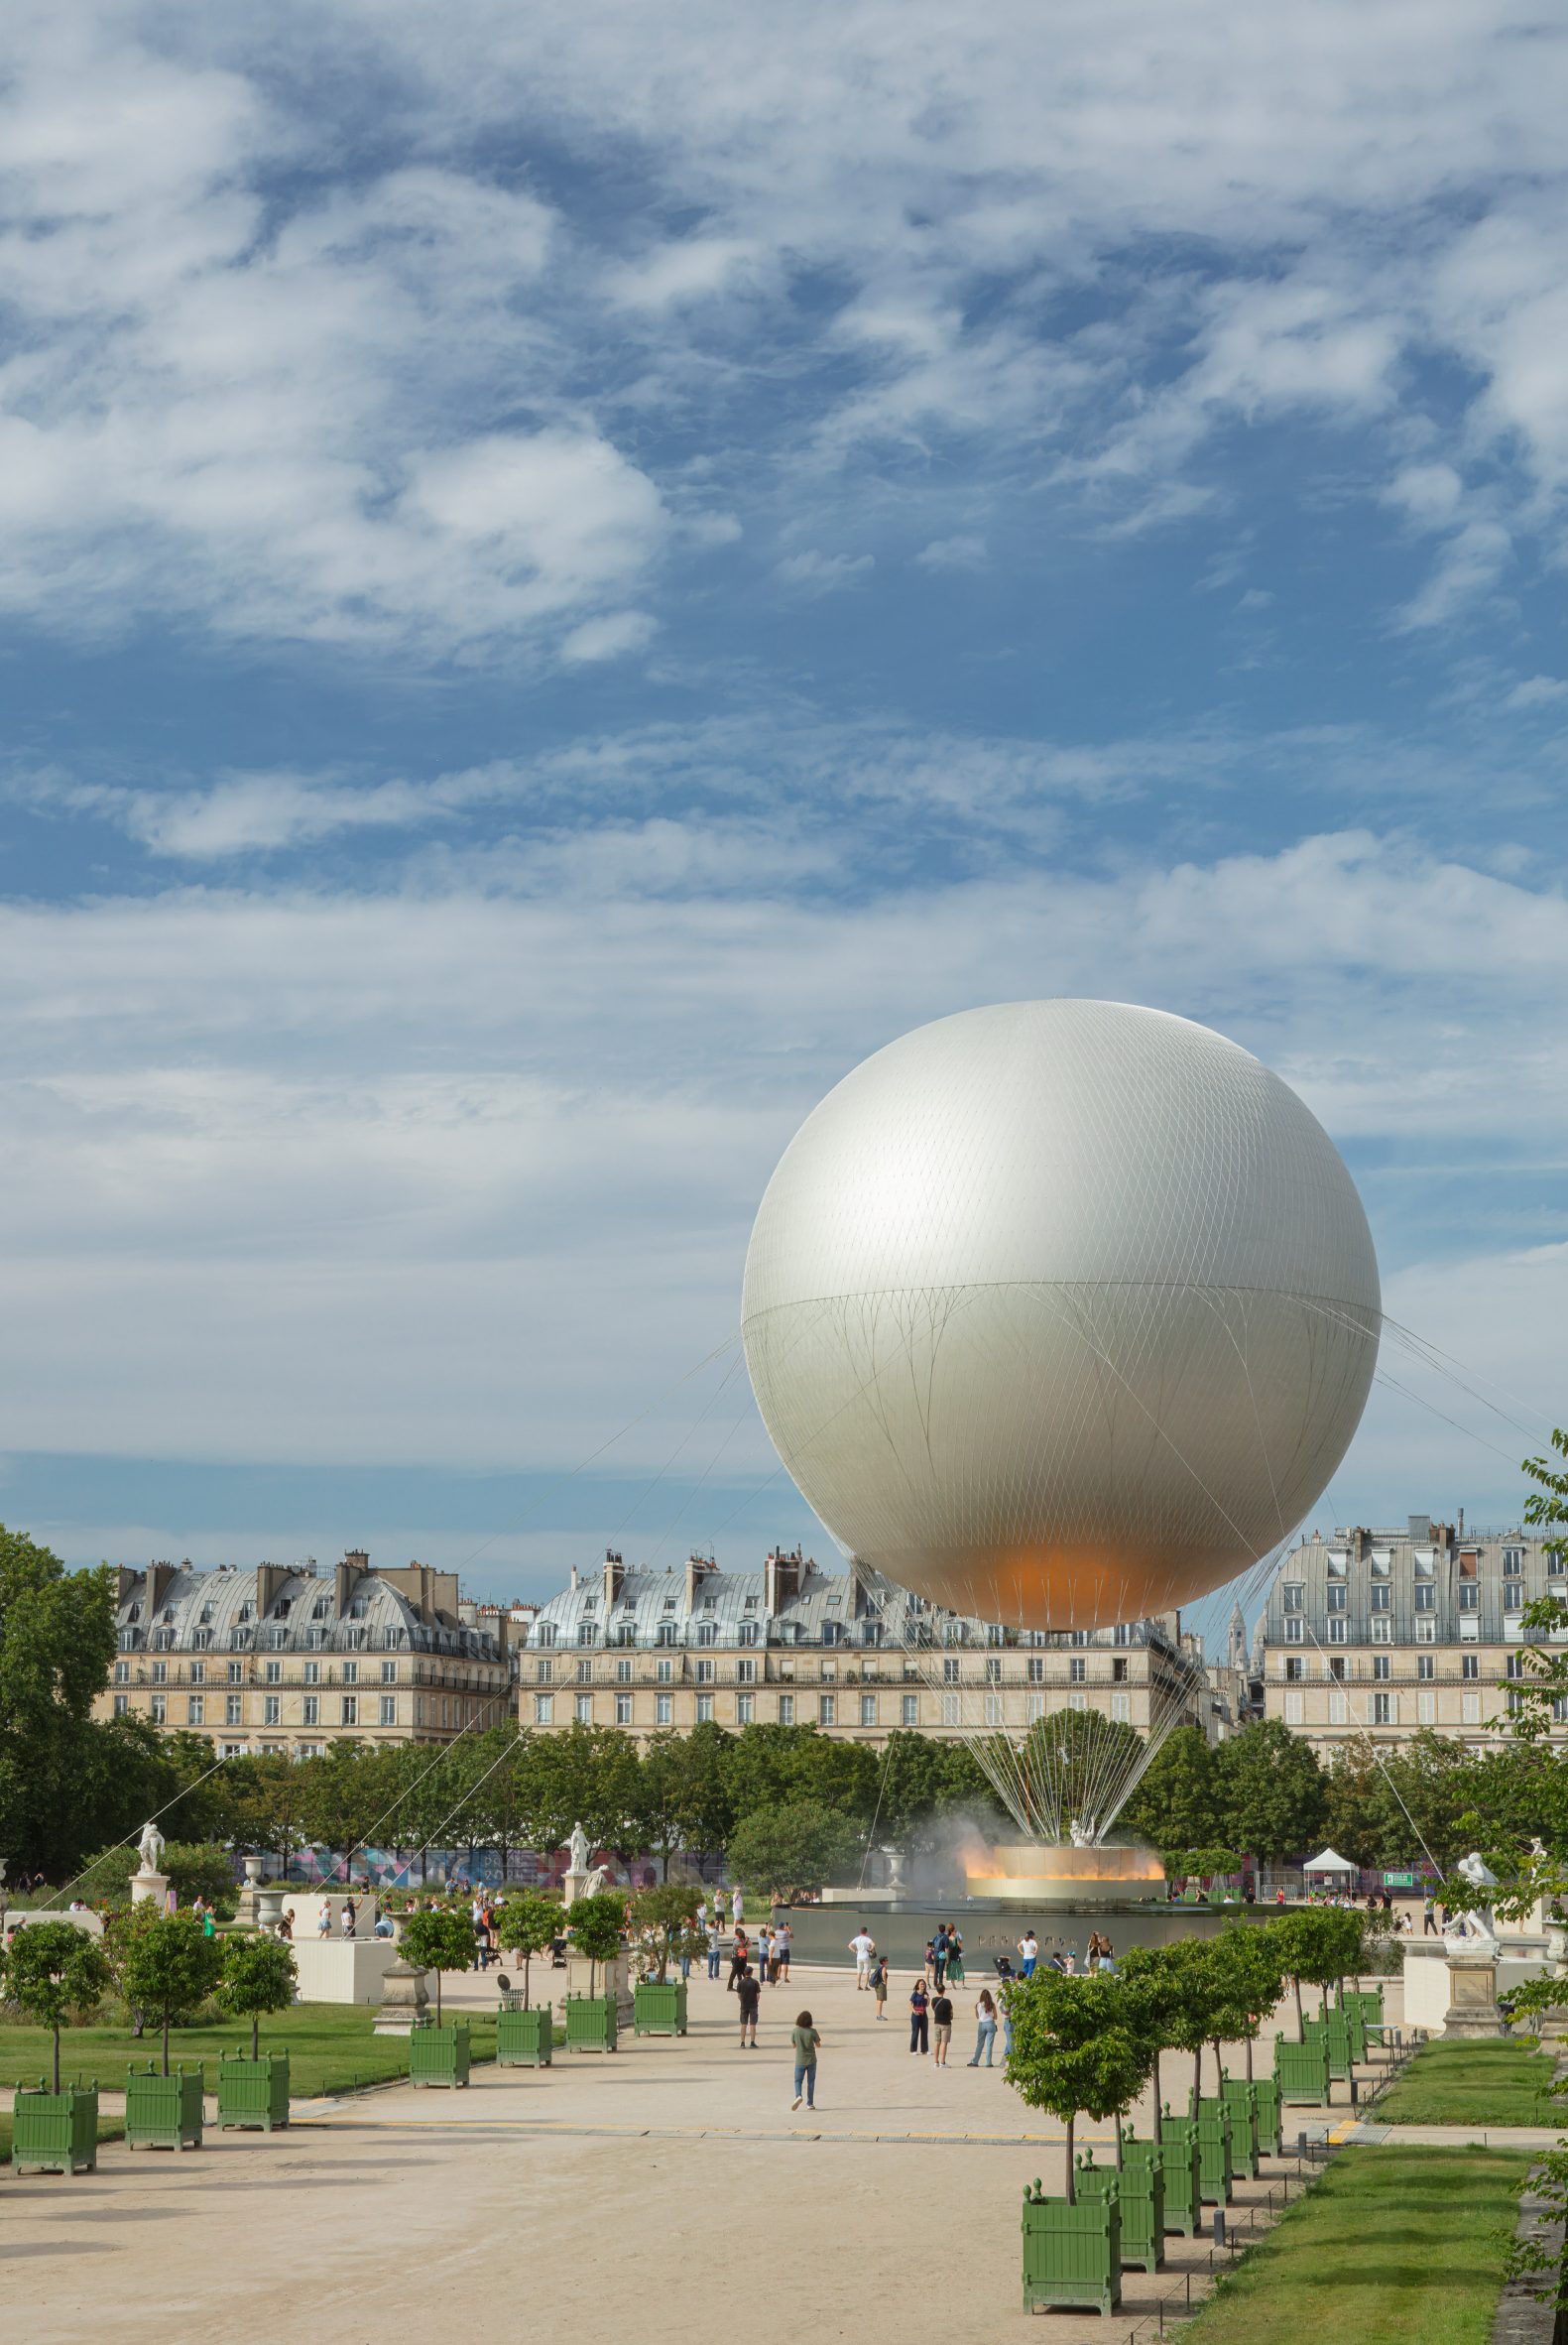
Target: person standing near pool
985	2027
920	2009
1028	1952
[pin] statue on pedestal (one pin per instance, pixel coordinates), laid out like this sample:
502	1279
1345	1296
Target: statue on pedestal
151	1848
1479	1923
579	1850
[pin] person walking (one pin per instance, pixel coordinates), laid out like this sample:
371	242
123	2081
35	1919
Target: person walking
920	2012
784	1939
1007	2030
749	1991
1428	1917
805	2039
1028	1952
715	1949
739	1960
879	1985
985	2027
940	1957
863	1946
941	2026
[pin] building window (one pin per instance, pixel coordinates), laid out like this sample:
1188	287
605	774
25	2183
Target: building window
311	1710
1514	1666
666	1633
1469	1596
1425	1666
993	1709
1035	1671
746	1672
1077	1671
544	1709
1425	1709
705	1671
949	1709
664	1710
1335	1668
1556	1565
232	1710
272	1710
704	1708
745	1708
949	1672
1470	1709
623	1709
867	1709
1382	1597
1077	1701
826	1709
1513	1562
122	1672
910	1709
1425	1596
748	1635
1338	1597
1384	1709
1337	1705
584	1673
349	1711
1383	1630
787	1710
1470	1664
1292	1709
623	1672
1513	1595
1426	1632
351	1672
587	1634
1295	1669
272	1672
1295	1632
543	1670
1119	1708
160	1673
1294	1594
389	1673
1339	1632
236	1672
585	1709
1381	1666
1035	1708
122	1704
313	1672
663	1672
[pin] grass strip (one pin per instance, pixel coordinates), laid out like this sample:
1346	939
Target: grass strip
1394	2246
1503	2083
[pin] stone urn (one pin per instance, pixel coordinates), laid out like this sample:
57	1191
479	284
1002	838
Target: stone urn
247	1904
404	2001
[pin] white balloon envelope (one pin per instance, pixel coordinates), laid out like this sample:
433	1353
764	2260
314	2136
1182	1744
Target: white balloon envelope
1062	1312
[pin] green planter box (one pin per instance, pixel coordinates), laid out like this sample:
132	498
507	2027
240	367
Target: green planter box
1368	2000
1216	2167
1140	2184
1178	2149
659	2010
1266	2099
1334	2033
590	2022
1301	2071
440	2055
163	2112
1241	2098
55	2133
1072	2255
254	2093
1356	2029
525	2037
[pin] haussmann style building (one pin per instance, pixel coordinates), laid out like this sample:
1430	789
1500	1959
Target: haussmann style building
847	1651
1384	1633
287	1657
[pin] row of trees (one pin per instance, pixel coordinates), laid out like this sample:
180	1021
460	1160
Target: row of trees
1088	2046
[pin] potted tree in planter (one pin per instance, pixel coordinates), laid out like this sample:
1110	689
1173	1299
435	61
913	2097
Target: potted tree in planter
1190	2027
595	1927
528	1925
52	1969
666	1922
443	1941
1251	1983
259	1975
1074	2049
168	1967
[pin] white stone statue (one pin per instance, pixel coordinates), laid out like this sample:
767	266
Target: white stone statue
578	1849
150	1849
598	1878
1478	1922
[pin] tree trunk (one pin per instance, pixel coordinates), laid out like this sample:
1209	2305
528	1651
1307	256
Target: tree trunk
1197	2078
1071	2195
1218	2070
1121	2159
525	1982
1323	1990
1249	2059
1156	2096
1300	2020
438	1996
165	2044
57	2056
255	2034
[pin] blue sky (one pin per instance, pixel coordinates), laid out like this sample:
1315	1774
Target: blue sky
563	574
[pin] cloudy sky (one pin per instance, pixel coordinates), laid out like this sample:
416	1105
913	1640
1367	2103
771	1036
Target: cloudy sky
567	572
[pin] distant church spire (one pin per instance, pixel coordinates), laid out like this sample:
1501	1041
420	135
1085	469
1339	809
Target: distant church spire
1236	1639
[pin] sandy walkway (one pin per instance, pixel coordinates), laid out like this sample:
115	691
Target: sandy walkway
655	2184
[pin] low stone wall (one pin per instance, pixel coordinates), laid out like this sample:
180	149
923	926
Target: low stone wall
348	1971
91	1922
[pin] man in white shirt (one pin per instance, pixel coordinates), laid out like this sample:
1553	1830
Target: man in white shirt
737	1905
1030	1952
863	1945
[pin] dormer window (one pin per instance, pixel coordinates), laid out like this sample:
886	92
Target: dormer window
830	1632
134	1613
168	1615
282	1607
546	1634
246	1611
206	1615
318	1609
707	1633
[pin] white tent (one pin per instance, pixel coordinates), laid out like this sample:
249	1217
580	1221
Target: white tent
1330	1862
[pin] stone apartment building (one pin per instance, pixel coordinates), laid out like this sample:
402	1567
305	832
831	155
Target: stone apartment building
847	1651
287	1657
1387	1631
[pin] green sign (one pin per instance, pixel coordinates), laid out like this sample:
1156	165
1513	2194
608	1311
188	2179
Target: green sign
1398	1881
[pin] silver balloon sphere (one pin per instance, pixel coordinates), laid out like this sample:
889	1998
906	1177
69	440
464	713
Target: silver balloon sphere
1062	1312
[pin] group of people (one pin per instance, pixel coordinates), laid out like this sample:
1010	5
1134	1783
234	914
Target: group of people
931	2022
381	1921
770	1955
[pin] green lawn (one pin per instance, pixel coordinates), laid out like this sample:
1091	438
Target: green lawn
1478	2084
332	2048
1393	2246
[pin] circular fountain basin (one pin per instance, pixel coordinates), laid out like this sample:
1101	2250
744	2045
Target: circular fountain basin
1064	1876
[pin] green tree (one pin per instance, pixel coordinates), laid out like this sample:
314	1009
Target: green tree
1250	1968
596	1925
1176	1806
586	1775
1077	2044
790	1848
272	1802
260	1975
526	1924
442	1939
925	1782
772	1766
1318	1944
1196	2003
57	1637
166	1964
52	1969
1269	1789
1154	1992
350	1793
683	1792
665	1921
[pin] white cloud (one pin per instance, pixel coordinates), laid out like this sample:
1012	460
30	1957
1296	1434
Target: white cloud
1537	691
963	552
610	637
816	573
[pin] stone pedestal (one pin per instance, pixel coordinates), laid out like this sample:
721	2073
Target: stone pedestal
247	1907
149	1885
403	1999
599	1978
1472	1998
572	1887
